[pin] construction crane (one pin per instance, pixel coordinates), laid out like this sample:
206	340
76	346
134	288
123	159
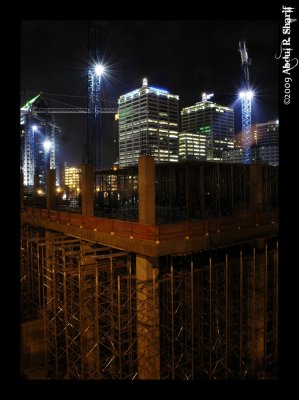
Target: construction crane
95	74
246	95
67	110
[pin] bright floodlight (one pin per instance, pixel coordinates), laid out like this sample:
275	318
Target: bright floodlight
47	145
34	128
246	95
99	69
249	94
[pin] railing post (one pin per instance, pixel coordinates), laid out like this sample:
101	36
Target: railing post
87	190
50	185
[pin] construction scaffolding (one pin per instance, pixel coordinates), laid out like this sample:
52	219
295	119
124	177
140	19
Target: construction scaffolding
219	315
32	241
210	315
89	310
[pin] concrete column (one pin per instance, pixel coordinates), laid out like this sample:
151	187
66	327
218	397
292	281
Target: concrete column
148	329
87	190
50	187
146	190
256	187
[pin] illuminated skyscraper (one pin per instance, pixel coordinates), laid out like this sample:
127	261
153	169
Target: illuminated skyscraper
212	127
148	125
39	145
266	143
192	146
115	138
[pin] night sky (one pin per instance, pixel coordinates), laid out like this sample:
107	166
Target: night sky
184	57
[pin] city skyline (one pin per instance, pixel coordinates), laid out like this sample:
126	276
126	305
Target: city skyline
184	57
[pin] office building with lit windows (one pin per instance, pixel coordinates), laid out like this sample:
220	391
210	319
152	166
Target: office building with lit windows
192	146
233	155
39	145
115	139
266	143
211	121
72	178
148	125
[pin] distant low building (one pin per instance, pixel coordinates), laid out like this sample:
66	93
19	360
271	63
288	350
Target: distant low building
72	178
233	155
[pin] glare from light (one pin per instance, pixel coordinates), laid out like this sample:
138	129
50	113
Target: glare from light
34	128
47	145
249	94
99	69
246	95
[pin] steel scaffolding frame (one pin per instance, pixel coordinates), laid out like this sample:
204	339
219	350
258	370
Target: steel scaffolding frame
32	253
90	312
207	316
219	319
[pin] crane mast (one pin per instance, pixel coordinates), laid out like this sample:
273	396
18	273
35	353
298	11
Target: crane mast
92	145
246	96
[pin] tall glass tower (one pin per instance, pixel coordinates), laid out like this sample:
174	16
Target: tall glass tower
212	129
148	125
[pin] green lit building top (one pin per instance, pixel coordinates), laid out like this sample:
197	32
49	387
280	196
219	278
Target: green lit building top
209	121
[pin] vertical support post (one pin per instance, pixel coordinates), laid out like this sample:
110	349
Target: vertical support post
210	317
241	317
172	323
256	187
259	322
146	190
226	315
49	295
87	190
265	305
148	329
276	275
50	185
192	320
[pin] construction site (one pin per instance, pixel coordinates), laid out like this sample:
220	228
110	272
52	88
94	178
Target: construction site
166	295
165	270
